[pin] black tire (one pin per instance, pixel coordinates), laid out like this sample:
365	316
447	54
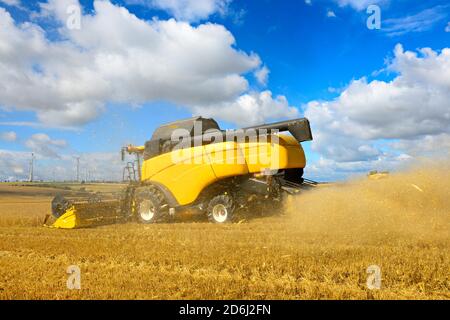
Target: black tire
127	200
150	205
276	198
221	209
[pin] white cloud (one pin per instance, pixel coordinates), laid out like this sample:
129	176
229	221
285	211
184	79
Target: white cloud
331	170
116	57
447	28
252	108
262	75
415	104
360	4
11	3
335	90
187	10
97	165
14	165
331	14
419	22
9	136
43	145
429	146
308	2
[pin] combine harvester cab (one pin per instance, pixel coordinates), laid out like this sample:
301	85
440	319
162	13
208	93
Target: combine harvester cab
194	165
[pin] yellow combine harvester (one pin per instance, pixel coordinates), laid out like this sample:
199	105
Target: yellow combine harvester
193	164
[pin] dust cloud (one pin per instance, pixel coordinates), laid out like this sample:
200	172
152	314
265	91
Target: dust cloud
412	205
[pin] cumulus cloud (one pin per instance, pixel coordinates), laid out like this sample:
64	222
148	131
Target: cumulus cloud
262	75
9	136
11	3
43	145
252	108
115	57
428	146
326	169
188	10
413	108
13	165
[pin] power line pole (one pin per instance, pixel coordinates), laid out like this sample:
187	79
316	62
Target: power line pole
31	176
31	173
78	168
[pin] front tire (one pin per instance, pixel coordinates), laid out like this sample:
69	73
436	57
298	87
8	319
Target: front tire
220	209
150	205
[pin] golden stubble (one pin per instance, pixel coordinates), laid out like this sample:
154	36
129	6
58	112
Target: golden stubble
318	248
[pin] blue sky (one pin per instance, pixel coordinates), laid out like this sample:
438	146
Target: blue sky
315	51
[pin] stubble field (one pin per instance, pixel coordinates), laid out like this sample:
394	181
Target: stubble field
319	247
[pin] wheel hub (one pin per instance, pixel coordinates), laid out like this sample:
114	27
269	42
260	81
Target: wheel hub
147	210
220	213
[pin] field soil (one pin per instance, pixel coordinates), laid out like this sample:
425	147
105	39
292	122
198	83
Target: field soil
318	246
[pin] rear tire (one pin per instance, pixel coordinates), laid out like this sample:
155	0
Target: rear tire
220	209
150	205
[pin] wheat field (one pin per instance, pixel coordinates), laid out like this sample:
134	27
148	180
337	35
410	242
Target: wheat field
318	246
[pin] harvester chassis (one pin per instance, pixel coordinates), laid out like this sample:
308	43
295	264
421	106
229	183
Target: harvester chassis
148	203
216	186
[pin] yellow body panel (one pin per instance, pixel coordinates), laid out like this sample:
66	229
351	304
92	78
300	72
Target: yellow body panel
185	173
227	159
185	176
